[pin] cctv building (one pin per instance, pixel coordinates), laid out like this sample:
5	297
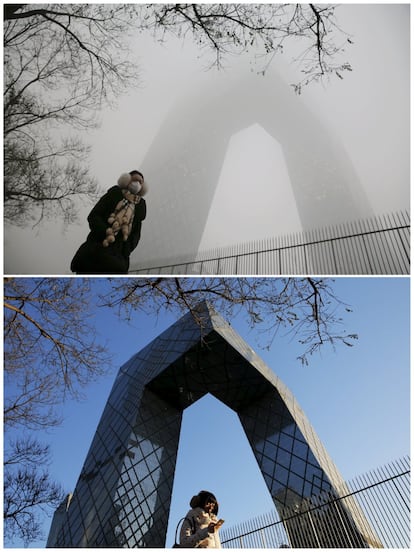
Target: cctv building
318	220
123	495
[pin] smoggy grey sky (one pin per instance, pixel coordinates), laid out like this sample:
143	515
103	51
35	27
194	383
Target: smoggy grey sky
368	112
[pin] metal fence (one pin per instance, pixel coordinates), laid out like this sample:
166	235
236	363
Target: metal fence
378	245
383	496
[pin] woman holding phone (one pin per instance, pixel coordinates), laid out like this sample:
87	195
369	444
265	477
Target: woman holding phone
200	526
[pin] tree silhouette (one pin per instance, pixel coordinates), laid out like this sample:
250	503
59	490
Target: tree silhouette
64	62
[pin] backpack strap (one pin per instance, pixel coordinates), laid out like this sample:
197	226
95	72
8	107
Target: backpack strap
192	526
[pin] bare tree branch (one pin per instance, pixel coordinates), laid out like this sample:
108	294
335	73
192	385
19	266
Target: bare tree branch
50	348
305	308
51	352
64	62
46	93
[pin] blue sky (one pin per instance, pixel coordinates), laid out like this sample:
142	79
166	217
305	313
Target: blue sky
357	399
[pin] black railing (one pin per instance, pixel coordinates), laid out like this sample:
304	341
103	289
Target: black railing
383	496
379	245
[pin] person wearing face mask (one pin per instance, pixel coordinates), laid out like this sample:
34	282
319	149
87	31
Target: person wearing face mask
115	228
201	525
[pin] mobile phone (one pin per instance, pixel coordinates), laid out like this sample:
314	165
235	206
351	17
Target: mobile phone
220	523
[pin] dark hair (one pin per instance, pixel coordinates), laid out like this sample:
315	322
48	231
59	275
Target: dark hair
200	500
137	172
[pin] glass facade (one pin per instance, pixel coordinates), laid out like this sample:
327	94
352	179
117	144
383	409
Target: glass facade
123	494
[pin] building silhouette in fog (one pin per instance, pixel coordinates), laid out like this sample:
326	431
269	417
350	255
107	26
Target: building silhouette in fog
123	495
186	157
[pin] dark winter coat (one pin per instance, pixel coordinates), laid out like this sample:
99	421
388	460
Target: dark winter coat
92	257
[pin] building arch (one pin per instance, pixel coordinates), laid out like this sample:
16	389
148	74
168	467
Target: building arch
123	495
186	156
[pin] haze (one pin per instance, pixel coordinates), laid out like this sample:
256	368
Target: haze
366	114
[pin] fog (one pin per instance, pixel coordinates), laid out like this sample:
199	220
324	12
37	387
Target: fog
231	156
248	172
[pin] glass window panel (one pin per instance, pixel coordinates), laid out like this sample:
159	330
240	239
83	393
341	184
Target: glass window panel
313	474
283	458
300	449
289	427
286	442
312	459
316	484
281	474
298	466
267	466
296	483
278	490
146	447
270	449
307	489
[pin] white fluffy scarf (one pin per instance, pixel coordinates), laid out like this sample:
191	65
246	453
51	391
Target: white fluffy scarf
121	219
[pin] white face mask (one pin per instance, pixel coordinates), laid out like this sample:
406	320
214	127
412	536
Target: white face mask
135	187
